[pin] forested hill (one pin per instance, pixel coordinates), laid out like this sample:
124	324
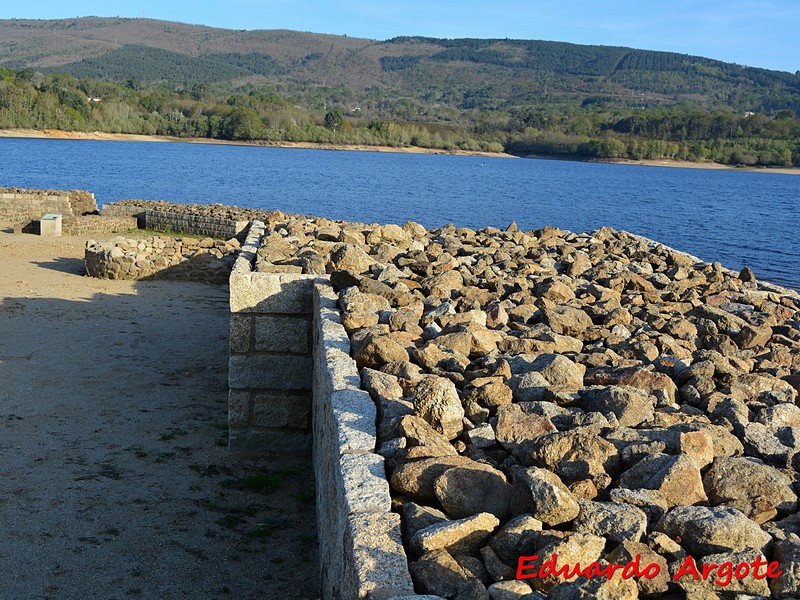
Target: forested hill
526	96
462	73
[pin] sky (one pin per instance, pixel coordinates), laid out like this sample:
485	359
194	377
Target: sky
759	33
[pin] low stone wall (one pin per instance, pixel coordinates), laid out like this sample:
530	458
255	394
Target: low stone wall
212	220
269	403
361	547
96	225
22	206
118	209
161	258
275	364
194	224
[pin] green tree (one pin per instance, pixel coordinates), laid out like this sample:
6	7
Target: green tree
334	119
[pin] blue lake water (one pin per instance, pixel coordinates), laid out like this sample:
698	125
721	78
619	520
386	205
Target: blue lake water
737	218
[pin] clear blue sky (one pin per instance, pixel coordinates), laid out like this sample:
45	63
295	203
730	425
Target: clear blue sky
761	33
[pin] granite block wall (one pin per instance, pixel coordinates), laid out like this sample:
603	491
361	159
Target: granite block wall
269	371
21	206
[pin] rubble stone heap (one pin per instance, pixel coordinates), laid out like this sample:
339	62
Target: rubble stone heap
594	396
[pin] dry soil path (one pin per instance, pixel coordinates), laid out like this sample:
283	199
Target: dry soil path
114	477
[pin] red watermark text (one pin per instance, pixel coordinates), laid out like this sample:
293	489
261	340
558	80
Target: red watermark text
529	567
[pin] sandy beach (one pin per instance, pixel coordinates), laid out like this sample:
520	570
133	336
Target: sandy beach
56	134
116	480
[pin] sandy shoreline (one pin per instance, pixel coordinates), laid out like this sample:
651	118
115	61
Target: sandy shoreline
55	134
129	137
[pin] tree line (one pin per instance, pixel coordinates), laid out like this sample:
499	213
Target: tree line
594	129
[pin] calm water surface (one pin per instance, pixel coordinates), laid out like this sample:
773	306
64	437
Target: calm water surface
737	218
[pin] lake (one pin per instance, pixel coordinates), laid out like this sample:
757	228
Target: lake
737	218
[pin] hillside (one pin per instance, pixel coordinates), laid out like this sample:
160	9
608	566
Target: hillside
461	73
142	76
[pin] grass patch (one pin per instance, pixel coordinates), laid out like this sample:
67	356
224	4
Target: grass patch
172	433
112	531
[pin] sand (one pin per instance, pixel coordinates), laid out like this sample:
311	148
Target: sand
125	137
116	482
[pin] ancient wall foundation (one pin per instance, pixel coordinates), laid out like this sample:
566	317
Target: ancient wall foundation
161	258
269	373
291	378
21	206
95	225
194	224
212	220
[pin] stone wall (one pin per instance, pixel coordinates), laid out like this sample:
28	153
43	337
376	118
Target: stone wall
161	258
269	405
118	209
97	225
193	224
22	206
180	218
290	374
361	547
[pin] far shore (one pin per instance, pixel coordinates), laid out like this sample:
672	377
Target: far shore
129	137
57	134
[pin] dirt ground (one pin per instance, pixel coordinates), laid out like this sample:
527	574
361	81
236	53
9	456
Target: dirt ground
115	480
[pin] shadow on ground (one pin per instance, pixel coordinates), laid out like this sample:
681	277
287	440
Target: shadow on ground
115	480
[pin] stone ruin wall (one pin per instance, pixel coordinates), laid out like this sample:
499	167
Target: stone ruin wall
185	259
214	220
291	376
21	206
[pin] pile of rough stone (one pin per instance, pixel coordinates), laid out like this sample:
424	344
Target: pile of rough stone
187	258
596	397
219	211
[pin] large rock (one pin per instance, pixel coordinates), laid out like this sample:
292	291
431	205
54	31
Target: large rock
464	492
567	320
491	395
760	441
377	350
578	454
416	478
509	590
707	530
438	573
676	478
349	257
627	552
436	400
631	406
719	580
787	555
761	492
418	432
584	588
352	300
568	551
557	370
443	284
656	384
543	495
517	431
463	536
616	522
418	516
516	538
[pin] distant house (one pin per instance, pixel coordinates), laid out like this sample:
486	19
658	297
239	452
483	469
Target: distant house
749	113
94	99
